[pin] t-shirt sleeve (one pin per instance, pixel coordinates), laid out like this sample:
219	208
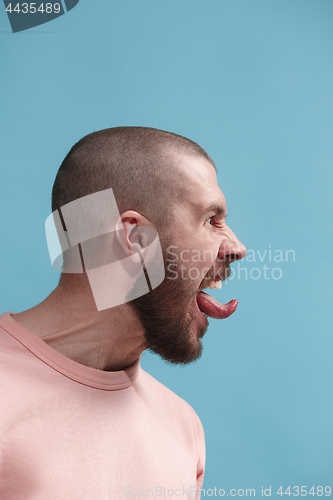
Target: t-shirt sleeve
201	447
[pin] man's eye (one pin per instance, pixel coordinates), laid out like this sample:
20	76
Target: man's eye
210	220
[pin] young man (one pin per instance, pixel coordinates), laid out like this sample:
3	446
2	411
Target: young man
79	418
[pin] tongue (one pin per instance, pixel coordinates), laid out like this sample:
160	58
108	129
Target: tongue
213	308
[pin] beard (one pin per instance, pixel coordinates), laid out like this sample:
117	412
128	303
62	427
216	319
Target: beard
168	314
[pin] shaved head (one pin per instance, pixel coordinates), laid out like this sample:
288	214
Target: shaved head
138	163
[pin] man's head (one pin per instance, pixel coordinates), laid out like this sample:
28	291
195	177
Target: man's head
168	182
140	164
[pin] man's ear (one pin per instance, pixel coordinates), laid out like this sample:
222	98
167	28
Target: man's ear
130	234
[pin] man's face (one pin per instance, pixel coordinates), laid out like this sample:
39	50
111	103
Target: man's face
197	250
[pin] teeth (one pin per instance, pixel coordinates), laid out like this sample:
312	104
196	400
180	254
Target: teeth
215	284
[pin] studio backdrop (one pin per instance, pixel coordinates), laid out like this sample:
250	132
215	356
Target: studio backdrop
251	81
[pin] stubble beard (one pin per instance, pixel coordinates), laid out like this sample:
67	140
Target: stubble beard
167	315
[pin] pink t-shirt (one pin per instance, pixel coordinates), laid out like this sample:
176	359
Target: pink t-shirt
71	432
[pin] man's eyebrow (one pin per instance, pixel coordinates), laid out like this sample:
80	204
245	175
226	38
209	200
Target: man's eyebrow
217	209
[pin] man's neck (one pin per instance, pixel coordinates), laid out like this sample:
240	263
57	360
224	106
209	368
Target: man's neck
69	322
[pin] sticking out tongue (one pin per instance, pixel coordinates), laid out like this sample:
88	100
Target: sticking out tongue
213	308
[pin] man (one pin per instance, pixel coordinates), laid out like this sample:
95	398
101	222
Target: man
79	418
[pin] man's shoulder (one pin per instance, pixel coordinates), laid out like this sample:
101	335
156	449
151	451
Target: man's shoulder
156	385
169	400
177	412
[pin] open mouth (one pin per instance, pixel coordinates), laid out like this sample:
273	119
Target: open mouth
210	307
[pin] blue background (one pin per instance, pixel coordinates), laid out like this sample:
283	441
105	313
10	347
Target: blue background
252	82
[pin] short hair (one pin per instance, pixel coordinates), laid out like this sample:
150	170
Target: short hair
138	163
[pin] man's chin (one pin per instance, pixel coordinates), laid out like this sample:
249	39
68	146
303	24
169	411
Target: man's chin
171	329
185	358
185	350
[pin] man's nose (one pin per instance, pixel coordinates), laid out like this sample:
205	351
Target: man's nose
232	250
